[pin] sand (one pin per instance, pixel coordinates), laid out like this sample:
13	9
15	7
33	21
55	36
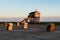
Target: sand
34	32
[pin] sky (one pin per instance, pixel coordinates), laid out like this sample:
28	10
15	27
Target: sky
22	8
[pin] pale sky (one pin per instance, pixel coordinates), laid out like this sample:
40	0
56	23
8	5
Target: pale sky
21	8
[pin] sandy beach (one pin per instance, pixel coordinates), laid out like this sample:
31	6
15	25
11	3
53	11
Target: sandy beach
34	32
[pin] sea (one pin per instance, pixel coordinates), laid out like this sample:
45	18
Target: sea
42	19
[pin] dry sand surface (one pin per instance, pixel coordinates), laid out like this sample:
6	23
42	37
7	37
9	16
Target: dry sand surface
34	32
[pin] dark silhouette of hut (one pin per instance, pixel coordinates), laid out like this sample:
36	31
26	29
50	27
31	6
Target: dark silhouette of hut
35	17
